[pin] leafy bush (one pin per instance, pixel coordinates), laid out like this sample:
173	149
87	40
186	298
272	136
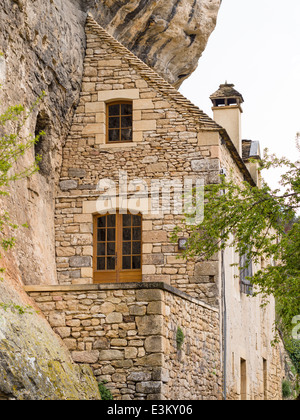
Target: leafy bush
293	348
286	389
105	393
179	338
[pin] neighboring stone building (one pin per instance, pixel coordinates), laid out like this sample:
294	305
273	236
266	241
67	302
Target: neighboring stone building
123	290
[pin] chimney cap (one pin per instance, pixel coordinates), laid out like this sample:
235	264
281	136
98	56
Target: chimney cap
226	91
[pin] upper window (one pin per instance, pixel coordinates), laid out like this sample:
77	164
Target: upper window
246	267
119	122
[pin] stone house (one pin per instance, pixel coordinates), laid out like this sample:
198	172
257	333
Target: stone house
123	292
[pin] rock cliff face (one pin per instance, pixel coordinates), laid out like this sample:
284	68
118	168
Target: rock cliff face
44	45
34	364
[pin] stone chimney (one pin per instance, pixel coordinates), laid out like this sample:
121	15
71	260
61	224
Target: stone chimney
228	111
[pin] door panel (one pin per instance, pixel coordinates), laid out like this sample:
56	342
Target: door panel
117	248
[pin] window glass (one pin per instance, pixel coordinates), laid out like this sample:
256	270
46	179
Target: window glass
126	109
136	262
246	273
126	263
119	124
114	110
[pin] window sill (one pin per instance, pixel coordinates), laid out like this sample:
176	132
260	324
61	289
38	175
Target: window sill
119	145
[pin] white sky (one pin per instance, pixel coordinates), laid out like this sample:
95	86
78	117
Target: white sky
256	46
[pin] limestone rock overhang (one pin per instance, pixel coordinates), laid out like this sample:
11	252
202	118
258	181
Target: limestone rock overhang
168	35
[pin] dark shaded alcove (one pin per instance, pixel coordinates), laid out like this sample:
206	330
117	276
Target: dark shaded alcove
42	146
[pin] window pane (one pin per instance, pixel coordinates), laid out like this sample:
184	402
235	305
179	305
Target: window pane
126	263
136	263
108	240
136	234
101	235
126	234
102	221
101	249
126	109
136	248
136	220
111	248
126	248
126	219
126	122
100	264
114	135
114	110
114	122
111	235
111	220
126	135
111	263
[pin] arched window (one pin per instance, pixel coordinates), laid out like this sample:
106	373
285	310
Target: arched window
117	248
119	122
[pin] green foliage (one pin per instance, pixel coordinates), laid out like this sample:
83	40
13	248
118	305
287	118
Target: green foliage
13	145
262	225
293	348
179	338
254	222
286	389
20	310
105	393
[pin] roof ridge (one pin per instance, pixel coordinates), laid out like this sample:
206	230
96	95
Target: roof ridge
154	78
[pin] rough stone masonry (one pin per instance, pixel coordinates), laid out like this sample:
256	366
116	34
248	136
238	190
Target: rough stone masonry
127	334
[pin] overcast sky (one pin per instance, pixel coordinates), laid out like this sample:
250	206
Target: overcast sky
256	46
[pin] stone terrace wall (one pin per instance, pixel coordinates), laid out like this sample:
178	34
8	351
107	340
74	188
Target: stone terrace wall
127	334
194	370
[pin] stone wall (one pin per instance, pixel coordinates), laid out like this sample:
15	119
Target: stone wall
127	334
194	371
172	140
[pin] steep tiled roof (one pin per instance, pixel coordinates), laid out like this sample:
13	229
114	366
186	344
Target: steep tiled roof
154	79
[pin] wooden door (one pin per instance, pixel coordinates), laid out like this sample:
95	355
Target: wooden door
117	248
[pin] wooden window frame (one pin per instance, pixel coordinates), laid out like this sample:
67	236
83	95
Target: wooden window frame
246	272
119	275
120	126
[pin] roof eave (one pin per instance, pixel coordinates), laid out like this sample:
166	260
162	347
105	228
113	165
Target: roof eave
236	157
